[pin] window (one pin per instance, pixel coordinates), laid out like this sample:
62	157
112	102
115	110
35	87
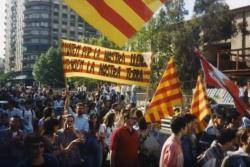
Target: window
64	15
44	41
56	14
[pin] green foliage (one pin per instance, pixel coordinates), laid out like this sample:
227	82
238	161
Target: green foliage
48	69
215	20
4	77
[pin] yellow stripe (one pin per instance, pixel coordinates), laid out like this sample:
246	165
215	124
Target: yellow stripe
85	10
167	83
153	4
103	78
127	13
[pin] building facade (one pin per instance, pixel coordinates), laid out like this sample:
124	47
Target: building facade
41	25
1	65
232	56
13	35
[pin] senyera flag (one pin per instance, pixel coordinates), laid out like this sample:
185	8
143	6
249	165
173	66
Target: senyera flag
216	78
200	106
167	95
118	20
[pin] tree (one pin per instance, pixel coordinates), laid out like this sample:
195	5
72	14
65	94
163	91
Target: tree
4	77
169	35
215	20
48	69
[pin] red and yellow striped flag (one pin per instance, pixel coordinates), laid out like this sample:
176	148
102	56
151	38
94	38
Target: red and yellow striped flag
200	105
167	95
119	20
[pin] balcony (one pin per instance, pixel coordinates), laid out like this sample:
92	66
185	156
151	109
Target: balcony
234	62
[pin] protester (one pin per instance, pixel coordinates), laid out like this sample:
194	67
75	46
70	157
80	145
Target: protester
93	143
35	153
214	155
68	137
106	130
188	142
125	143
172	154
241	157
80	117
28	116
11	149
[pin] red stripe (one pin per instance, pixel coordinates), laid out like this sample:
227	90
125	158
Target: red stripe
163	1
169	77
112	17
198	113
152	117
166	100
167	88
170	110
140	8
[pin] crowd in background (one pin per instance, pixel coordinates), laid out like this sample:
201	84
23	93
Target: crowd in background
41	127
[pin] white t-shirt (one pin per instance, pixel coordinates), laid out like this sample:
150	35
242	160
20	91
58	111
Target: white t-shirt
107	131
28	117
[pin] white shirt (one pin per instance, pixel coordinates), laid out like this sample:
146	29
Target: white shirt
28	117
107	131
81	121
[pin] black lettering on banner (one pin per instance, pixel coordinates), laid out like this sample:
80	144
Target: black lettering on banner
137	60
73	65
71	49
109	70
97	53
134	75
114	57
86	51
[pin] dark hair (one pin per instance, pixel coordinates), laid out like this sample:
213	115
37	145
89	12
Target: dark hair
109	119
177	124
93	129
32	139
114	105
226	136
49	125
242	135
47	112
127	115
80	104
142	123
139	113
189	118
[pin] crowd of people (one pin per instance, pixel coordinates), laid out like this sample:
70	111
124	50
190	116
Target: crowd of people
42	127
224	142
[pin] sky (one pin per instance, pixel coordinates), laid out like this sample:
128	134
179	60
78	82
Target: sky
189	5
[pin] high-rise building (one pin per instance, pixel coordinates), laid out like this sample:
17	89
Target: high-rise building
13	35
36	25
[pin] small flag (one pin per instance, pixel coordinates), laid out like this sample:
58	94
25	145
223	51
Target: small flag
215	77
167	95
200	105
118	20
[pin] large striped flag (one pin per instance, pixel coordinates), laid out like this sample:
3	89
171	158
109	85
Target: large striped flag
119	20
200	106
167	95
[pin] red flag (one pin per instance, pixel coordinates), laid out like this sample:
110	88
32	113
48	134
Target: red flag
216	78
